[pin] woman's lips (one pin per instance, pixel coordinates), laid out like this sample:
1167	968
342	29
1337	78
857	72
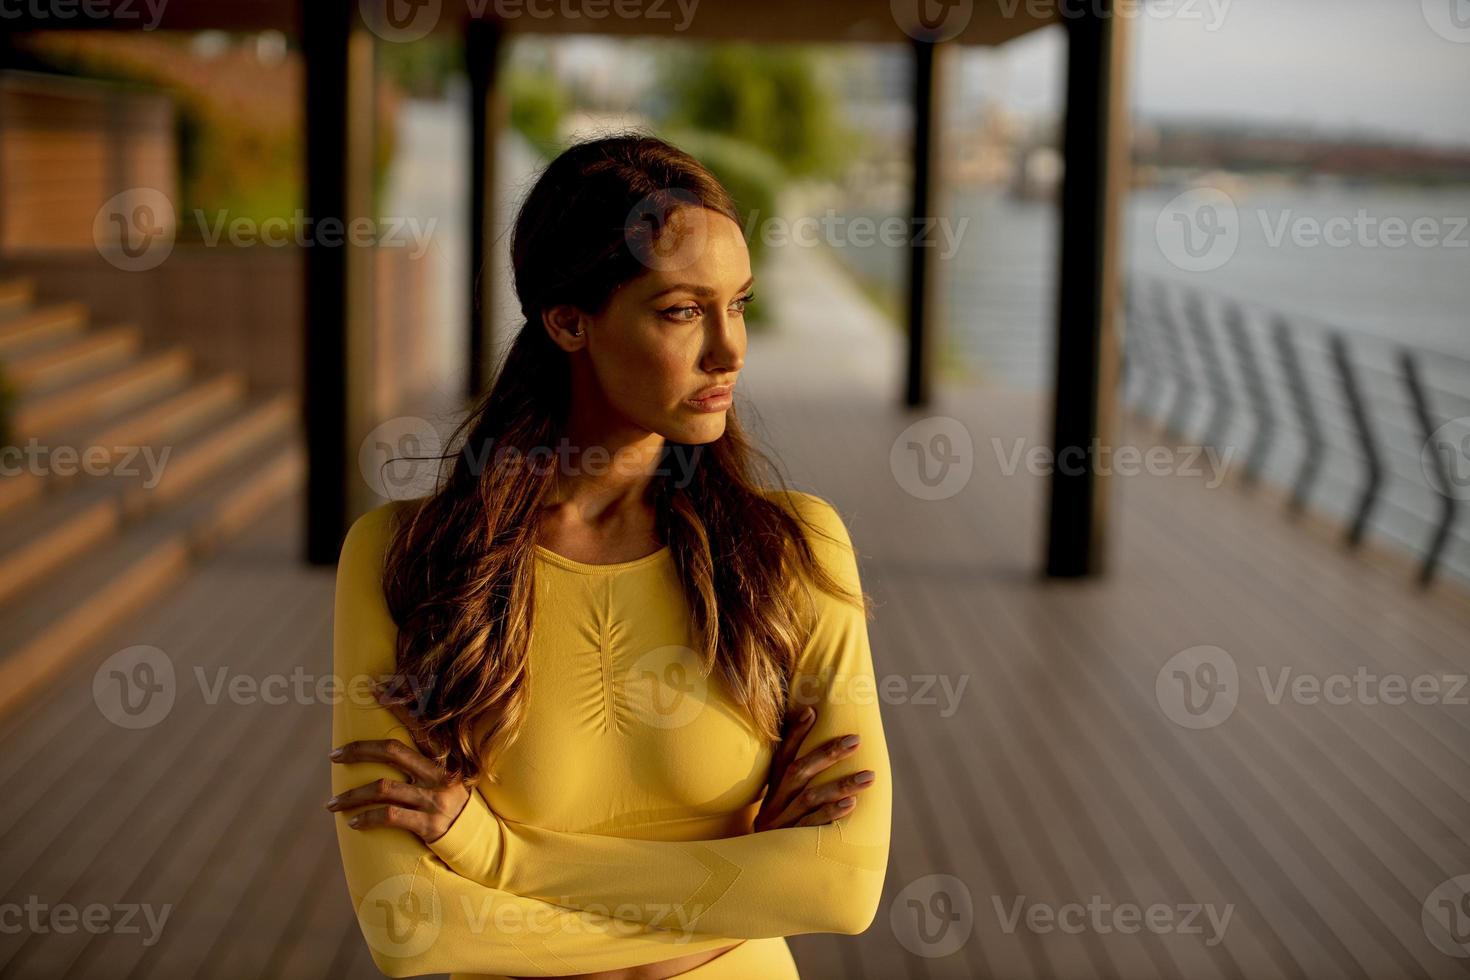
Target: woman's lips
717	401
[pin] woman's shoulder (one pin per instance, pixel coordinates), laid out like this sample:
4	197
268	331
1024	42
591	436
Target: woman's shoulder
368	537
825	530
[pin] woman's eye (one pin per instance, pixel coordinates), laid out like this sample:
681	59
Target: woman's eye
678	313
739	304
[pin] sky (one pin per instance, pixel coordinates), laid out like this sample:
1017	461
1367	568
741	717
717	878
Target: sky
1393	67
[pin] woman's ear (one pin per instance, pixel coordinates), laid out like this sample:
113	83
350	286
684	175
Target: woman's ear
566	325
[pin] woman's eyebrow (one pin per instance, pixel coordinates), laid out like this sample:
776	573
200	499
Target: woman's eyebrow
699	290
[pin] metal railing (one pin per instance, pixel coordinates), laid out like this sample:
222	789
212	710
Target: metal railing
1370	429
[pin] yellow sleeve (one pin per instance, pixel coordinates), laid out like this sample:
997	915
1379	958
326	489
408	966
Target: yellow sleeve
417	915
773	883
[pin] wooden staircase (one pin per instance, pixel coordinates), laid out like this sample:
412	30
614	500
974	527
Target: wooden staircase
131	465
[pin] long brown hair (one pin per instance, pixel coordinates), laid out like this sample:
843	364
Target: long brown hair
458	576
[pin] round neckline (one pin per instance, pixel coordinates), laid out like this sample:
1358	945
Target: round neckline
588	568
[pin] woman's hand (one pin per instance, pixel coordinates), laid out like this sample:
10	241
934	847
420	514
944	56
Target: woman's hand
426	805
790	800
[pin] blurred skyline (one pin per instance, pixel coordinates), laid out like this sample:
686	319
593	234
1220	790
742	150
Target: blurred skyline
1348	66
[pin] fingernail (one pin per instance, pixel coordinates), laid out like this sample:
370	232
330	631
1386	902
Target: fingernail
863	777
333	802
335	754
846	803
849	741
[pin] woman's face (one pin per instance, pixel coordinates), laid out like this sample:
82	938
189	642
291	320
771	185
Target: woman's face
665	337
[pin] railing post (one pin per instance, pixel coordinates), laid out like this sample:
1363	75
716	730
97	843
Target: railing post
1448	507
1372	460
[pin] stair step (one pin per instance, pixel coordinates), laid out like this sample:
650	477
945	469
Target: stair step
112	392
165	420
61	527
273	418
16	294
49	368
29	327
48	631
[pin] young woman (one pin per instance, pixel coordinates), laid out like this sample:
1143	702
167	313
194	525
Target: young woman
630	727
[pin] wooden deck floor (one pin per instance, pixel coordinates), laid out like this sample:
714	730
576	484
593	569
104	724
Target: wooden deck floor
1052	776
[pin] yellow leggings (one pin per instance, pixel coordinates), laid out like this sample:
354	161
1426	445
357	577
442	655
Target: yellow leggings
753	959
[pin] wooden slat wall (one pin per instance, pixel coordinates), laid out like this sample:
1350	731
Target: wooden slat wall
66	147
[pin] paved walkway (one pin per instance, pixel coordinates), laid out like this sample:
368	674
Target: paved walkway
1038	729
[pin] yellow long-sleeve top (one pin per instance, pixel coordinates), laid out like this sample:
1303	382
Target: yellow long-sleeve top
620	832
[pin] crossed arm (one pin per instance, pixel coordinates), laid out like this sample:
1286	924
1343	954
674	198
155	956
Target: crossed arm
518	899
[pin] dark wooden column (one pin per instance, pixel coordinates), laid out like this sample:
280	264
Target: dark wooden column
337	55
923	311
1095	147
483	45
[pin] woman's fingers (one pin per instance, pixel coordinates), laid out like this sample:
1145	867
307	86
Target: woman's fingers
821	799
418	769
800	773
415	821
828	813
798	723
382	791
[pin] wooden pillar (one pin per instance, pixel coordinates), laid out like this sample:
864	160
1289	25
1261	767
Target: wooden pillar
1085	407
483	47
337	55
923	305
